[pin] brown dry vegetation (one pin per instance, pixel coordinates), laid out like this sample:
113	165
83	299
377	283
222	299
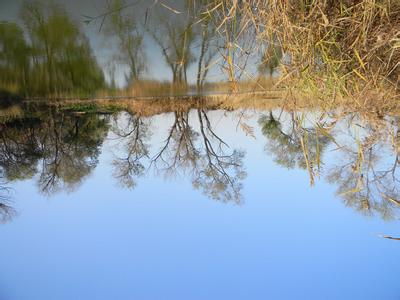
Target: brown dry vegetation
346	51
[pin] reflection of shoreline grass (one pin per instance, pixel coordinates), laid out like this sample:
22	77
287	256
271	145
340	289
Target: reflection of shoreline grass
153	88
154	105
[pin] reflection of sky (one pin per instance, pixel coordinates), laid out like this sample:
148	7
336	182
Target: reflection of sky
105	47
164	240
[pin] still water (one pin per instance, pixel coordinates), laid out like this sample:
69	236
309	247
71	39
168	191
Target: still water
199	203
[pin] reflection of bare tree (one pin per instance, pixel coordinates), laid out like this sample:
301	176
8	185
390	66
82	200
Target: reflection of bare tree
134	136
220	176
179	150
366	189
202	154
7	212
174	35
366	172
19	149
71	150
367	179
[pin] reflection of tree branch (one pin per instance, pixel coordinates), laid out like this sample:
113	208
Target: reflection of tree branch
7	212
360	184
217	174
223	185
296	146
131	166
63	147
179	150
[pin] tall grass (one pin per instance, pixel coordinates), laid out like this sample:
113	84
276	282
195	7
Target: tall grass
345	49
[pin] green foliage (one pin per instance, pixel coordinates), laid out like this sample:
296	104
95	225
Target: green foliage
57	60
